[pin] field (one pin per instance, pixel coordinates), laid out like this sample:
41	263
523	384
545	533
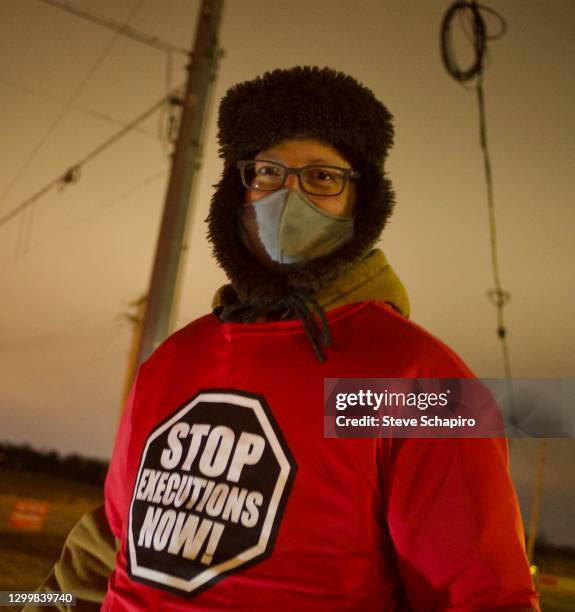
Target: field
26	557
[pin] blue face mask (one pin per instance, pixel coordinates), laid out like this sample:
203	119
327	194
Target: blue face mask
287	228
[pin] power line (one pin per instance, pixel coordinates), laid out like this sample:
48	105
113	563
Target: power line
66	108
119	28
104	206
72	173
81	109
92	356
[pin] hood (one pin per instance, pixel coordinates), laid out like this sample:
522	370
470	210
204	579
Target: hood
301	102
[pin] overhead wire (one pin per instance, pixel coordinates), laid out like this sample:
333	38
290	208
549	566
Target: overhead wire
90	112
122	29
102	346
21	232
148	180
77	91
72	173
478	35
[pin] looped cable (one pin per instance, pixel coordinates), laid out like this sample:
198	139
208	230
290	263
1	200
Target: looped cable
478	37
498	297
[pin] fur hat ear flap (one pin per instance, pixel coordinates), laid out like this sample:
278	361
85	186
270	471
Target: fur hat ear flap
248	277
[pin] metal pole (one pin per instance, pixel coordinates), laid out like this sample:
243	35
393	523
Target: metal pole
536	504
162	294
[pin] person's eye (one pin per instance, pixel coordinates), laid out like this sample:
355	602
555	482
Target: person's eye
268	170
323	175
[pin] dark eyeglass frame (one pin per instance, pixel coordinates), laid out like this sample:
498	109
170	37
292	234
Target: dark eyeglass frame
347	174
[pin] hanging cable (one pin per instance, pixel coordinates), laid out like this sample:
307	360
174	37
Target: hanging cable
120	28
478	36
72	173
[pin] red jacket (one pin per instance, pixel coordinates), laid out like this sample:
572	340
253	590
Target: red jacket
226	495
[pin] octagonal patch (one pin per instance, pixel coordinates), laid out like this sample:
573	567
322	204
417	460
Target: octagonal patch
212	484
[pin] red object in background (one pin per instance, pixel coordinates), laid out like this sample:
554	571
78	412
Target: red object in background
28	514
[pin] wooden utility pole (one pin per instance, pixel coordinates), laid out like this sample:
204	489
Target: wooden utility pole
163	289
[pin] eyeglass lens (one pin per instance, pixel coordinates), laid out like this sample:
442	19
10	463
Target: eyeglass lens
316	180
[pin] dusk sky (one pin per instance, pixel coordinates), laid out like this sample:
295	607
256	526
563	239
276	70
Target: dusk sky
72	264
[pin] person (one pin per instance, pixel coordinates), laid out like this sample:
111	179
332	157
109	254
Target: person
222	491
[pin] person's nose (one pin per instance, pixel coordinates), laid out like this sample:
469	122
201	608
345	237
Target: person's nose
292	182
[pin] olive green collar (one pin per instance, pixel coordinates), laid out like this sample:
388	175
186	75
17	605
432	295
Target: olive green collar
370	279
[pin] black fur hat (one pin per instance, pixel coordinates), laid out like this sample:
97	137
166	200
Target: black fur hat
302	102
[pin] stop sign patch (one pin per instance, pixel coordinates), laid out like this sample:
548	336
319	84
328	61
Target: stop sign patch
210	492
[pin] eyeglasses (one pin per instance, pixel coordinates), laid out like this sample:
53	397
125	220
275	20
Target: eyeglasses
263	175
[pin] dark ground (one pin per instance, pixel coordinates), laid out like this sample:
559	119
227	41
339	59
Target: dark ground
27	557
